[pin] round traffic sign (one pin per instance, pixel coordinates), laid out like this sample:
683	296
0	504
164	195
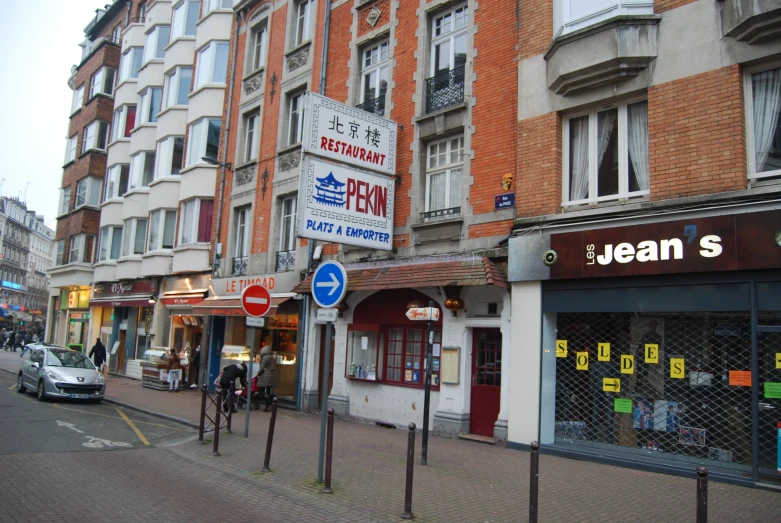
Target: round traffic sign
329	284
255	300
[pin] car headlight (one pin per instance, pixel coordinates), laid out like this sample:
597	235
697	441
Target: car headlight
100	379
54	376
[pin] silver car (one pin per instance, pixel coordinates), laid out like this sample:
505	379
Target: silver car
57	372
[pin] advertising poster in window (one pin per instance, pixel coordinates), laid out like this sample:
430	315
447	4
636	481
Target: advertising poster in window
339	204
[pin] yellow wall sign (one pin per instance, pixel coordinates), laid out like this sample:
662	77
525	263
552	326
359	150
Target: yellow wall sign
561	348
651	353
611	384
627	364
676	368
603	353
778	360
581	360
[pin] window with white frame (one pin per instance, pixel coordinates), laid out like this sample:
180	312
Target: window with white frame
102	82
448	40
287	231
81	248
142	169
763	106
444	170
130	63
88	192
212	64
606	154
95	136
70	148
212	5
110	243
116	181
295	120
571	15
162	229
258	42
170	156
149	105
116	34
124	120
60	251
203	140
251	141
241	239
196	221
302	21
374	72
156	41
78	99
184	19
134	236
177	86
65	200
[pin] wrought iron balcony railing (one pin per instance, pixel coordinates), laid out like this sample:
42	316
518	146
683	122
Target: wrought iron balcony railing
138	20
286	261
445	89
439	213
240	266
374	106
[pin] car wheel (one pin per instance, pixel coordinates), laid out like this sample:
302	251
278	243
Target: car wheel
41	391
20	384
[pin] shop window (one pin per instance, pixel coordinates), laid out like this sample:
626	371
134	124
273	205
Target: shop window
763	106
363	349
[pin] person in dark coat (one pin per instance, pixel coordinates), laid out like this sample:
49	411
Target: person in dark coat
228	377
18	340
267	375
98	353
195	367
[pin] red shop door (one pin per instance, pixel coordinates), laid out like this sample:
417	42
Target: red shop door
486	381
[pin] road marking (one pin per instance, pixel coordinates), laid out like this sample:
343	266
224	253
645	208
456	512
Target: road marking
98	443
12	387
133	426
117	417
70	426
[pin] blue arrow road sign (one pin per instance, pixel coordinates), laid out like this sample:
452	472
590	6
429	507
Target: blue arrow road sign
329	284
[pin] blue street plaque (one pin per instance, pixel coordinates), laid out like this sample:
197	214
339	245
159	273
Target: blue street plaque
329	284
504	201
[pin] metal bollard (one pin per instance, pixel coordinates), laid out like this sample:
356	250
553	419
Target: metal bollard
329	449
534	481
231	400
216	446
202	425
702	494
410	462
270	437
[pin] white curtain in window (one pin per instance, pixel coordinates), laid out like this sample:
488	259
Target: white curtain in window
638	143
578	158
766	90
437	192
606	123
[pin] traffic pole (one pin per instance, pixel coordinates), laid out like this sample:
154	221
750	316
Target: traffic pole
202	425
216	446
231	406
534	482
270	437
702	494
410	463
329	450
427	391
249	381
324	400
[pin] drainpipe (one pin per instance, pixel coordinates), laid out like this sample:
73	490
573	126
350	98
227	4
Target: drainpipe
129	5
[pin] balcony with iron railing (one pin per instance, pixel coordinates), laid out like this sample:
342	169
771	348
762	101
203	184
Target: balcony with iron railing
445	89
240	266
440	213
286	261
374	106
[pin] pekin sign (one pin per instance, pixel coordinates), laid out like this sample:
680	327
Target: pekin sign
349	135
343	205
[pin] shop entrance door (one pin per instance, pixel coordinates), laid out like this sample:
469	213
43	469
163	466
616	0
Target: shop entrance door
486	381
768	427
321	363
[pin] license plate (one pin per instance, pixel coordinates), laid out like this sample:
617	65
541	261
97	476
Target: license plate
80	396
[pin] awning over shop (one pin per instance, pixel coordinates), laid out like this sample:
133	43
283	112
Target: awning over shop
230	305
462	272
183	298
131	300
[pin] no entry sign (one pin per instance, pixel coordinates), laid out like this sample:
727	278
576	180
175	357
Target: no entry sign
255	300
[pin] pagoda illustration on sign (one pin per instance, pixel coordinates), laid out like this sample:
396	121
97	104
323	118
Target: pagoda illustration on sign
330	191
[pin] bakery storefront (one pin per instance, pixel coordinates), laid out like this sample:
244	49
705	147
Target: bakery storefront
660	343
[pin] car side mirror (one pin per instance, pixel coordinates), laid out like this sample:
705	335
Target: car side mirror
35	365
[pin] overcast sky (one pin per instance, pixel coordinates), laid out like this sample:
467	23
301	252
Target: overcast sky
40	39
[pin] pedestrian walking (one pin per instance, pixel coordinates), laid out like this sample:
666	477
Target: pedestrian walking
267	375
18	341
98	354
4	339
174	371
195	367
227	378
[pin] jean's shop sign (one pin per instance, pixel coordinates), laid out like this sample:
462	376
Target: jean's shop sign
343	205
349	135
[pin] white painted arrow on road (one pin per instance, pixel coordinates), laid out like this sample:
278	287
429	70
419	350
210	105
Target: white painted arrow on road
334	284
70	426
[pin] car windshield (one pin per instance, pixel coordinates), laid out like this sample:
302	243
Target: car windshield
67	358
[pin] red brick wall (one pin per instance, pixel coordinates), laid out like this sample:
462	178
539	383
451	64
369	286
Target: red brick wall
538	177
535	26
338	54
696	131
490	229
660	6
363	12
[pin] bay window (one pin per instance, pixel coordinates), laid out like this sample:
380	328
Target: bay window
251	141
444	169
130	63
177	86
204	140
258	53
124	120
149	105
95	136
156	41
212	5
212	64
65	200
302	21
70	148
184	19
134	236
571	15
606	154
78	99
81	248
88	192
763	106
142	169
162	228
196	221
60	251
110	243
374	74
116	181
102	82
295	120
170	154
